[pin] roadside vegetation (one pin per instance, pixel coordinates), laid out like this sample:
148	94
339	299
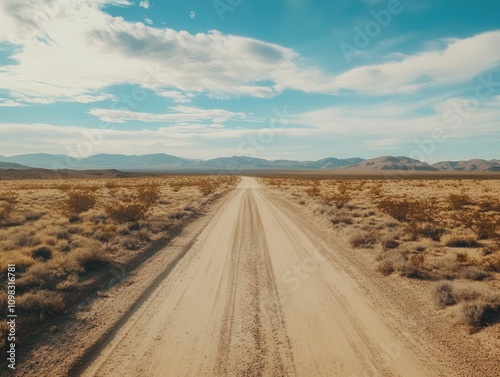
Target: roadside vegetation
444	232
69	239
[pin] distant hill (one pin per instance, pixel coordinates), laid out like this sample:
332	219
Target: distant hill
392	163
164	162
99	161
469	165
258	163
13	165
6	174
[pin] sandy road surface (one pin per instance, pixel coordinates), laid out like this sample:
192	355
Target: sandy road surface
256	296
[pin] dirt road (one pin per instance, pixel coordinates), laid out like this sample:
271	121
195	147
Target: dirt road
259	294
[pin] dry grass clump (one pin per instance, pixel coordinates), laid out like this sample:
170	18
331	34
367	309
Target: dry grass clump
364	239
484	226
459	201
404	262
134	210
338	199
92	259
460	239
148	195
8	202
42	253
399	210
79	201
313	191
417	216
126	212
492	262
443	295
41	302
479	306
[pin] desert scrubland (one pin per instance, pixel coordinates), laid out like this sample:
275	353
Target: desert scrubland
71	238
442	232
280	276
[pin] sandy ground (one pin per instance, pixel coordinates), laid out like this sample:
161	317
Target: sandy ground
262	293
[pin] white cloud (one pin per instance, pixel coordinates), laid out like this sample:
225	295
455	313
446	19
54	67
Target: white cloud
179	114
80	49
460	61
145	4
198	133
176	96
400	121
75	50
10	103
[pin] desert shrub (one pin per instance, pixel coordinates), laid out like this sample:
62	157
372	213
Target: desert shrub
390	244
131	243
110	184
385	267
492	263
9	196
376	190
390	260
426	230
91	258
472	273
22	261
364	239
413	267
343	187
459	240
338	199
481	313
482	225
458	201
38	274
71	282
207	188
480	306
313	191
126	212
8	202
463	258
443	294
399	210
42	253
489	205
341	219
79	202
148	195
106	234
42	301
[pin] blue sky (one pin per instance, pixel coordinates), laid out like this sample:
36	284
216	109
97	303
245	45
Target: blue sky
291	79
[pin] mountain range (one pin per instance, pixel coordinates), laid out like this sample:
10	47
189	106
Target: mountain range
165	162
